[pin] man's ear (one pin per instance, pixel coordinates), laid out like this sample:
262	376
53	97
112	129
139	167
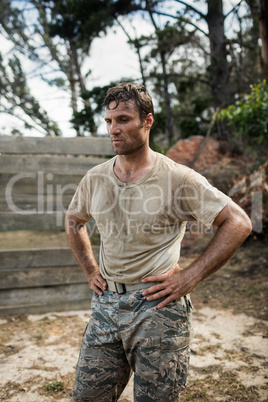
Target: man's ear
149	120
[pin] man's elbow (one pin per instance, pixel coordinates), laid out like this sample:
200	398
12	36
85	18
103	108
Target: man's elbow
70	224
238	221
244	224
73	224
248	226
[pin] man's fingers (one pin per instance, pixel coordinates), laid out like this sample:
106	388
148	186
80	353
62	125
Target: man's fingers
154	278
158	295
101	282
165	302
98	284
97	290
169	284
152	289
98	287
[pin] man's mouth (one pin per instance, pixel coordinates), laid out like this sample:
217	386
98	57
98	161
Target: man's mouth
116	140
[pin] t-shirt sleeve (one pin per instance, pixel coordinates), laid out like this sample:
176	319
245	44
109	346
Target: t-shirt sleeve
200	200
80	204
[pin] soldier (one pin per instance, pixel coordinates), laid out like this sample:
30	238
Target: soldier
141	202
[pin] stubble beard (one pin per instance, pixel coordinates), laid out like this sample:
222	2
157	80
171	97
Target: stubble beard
129	150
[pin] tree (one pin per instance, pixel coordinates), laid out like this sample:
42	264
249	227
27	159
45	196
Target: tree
168	43
137	43
193	64
225	71
248	117
264	35
60	35
163	50
17	100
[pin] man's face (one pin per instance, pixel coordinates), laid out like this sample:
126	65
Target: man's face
128	134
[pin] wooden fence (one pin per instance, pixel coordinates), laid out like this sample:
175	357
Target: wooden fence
38	177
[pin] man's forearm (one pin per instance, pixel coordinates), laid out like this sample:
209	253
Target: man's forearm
80	245
229	236
234	227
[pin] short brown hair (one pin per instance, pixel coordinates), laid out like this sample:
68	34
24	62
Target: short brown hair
126	91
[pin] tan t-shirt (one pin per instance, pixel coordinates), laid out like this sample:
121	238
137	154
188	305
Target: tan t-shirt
142	223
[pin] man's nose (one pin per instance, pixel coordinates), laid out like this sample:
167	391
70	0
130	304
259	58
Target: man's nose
114	129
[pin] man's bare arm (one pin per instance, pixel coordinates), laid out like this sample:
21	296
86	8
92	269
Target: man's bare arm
234	226
81	247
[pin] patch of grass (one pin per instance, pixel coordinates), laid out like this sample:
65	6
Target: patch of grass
226	386
54	386
39	337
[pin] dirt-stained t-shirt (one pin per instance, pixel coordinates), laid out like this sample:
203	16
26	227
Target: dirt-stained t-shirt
142	223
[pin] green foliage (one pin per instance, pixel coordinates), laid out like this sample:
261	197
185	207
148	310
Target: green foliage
58	82
54	386
85	117
81	21
97	95
14	88
160	122
15	131
14	27
176	62
193	111
170	38
56	35
248	116
189	126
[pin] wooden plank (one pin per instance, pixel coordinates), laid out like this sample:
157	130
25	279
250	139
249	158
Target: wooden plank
55	145
44	189
45	295
41	308
30	278
34	221
26	202
41	183
31	221
35	258
26	165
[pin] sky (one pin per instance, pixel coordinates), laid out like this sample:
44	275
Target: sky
111	58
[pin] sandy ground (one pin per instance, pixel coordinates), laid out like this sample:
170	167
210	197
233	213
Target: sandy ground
228	362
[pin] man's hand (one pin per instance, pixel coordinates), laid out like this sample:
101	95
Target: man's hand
96	282
174	284
233	228
81	247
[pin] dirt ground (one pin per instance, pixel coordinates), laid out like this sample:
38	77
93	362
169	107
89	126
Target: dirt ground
38	353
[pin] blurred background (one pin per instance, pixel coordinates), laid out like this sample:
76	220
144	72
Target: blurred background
205	63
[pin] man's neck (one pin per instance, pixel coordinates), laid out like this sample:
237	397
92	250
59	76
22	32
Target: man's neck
130	168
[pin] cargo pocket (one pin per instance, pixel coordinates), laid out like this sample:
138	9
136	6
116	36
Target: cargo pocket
173	366
147	368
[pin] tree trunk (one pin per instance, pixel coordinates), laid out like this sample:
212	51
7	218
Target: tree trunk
218	70
81	82
135	42
254	50
168	109
73	85
264	36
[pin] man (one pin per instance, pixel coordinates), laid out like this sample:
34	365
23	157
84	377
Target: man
141	202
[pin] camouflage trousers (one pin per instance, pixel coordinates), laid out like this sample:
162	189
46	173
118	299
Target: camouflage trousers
128	333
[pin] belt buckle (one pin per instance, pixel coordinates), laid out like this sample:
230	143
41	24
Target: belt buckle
120	288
